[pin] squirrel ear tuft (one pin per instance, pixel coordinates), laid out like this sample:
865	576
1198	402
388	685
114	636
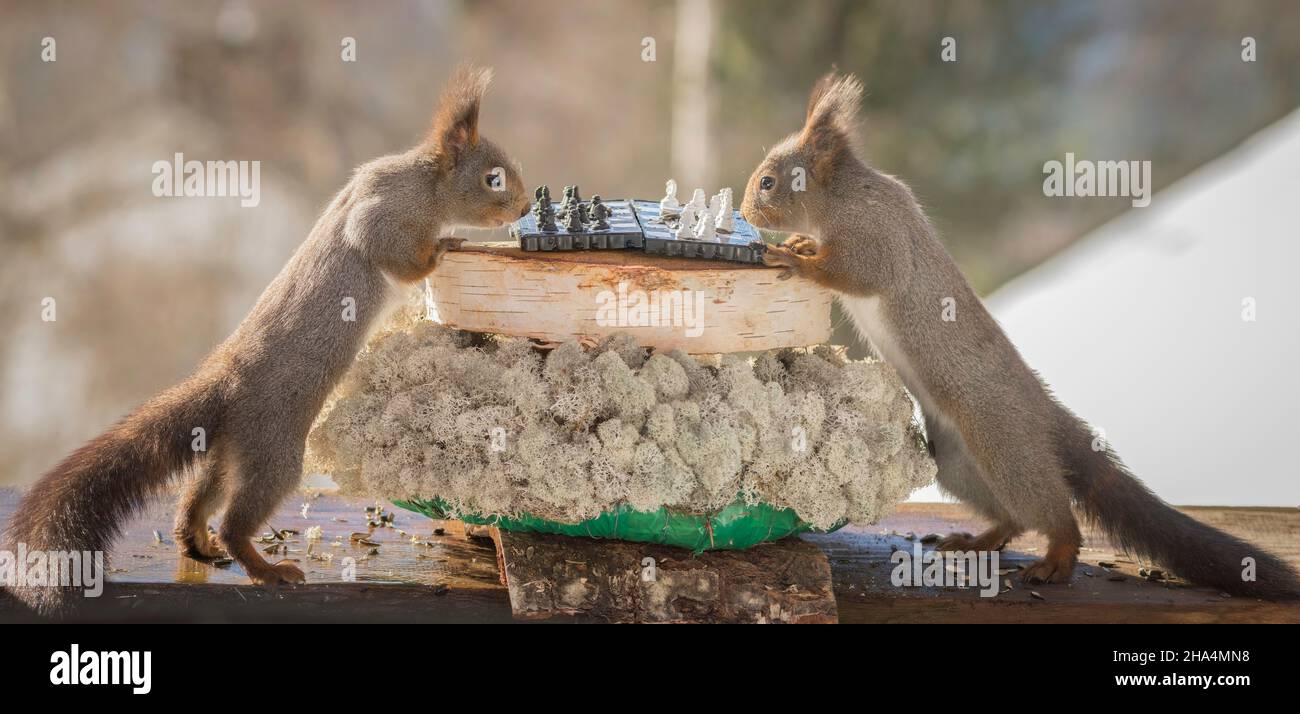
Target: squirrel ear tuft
455	124
830	124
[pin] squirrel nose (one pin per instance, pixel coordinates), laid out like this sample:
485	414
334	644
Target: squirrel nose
525	211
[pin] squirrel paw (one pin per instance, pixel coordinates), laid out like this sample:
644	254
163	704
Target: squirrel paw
1056	567
282	572
201	546
800	245
445	244
995	538
956	541
778	256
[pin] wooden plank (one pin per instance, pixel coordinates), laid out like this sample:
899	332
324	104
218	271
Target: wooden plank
561	296
788	581
446	577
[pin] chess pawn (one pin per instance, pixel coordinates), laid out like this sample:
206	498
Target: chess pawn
546	221
573	220
705	229
670	204
686	222
598	214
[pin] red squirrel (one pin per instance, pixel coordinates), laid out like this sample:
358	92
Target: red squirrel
1003	444
257	394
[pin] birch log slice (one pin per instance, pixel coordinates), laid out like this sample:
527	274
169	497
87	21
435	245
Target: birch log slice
700	306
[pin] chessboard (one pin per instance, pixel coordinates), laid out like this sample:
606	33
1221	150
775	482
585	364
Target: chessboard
624	231
742	243
631	224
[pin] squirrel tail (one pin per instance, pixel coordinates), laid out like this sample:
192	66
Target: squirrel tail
1138	521
80	504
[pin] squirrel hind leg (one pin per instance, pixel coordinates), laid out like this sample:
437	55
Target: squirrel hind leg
1028	484
959	475
264	479
201	500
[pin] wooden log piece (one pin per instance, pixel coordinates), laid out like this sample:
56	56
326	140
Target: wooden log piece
699	306
788	581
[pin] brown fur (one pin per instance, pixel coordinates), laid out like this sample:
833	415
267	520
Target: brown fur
1003	444
257	394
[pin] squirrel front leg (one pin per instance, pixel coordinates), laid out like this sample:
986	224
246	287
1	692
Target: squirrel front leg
445	244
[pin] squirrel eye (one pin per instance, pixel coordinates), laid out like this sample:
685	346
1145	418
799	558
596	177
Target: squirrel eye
766	183
492	180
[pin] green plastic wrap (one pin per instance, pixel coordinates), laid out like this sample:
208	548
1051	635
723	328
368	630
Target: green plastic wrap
736	527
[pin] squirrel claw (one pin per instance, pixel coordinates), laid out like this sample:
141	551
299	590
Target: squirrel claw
800	245
780	257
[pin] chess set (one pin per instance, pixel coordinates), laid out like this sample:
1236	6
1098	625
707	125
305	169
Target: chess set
710	230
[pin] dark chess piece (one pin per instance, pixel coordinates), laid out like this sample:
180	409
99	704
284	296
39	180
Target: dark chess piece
565	203
573	220
546	220
545	213
577	203
598	214
543	200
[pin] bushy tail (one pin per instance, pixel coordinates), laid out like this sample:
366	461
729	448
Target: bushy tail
81	503
1140	522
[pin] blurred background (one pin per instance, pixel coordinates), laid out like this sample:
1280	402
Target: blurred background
619	96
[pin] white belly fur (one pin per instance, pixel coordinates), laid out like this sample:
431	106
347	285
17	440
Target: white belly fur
869	319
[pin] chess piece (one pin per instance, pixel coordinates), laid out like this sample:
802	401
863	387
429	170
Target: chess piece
573	220
669	203
697	200
598	214
686	222
725	219
705	229
543	196
545	211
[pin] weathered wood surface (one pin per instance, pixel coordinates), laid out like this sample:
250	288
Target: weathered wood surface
559	296
784	582
451	578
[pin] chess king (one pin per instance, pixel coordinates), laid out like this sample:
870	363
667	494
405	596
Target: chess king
1004	445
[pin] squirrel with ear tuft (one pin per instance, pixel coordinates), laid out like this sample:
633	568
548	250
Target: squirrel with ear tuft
256	395
1004	445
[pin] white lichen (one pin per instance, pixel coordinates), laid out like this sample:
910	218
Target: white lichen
494	425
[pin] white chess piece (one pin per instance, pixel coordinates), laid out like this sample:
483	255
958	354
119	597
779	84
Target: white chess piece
670	204
705	230
725	218
697	200
686	222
